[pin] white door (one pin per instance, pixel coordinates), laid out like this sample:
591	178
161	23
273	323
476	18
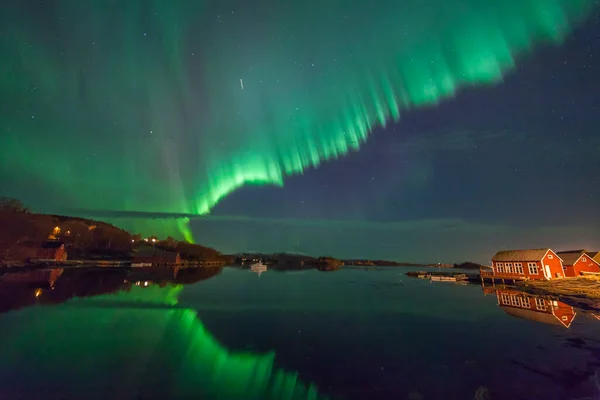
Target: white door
547	272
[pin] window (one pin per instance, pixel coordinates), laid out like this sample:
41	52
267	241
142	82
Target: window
519	268
565	318
525	302
550	256
509	268
583	259
533	268
499	267
505	299
540	304
514	300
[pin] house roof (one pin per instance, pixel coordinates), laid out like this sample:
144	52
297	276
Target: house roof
579	251
570	257
537	316
520	255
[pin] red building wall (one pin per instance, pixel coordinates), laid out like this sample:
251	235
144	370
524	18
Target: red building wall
569	271
554	262
514	298
506	297
589	265
565	313
550	259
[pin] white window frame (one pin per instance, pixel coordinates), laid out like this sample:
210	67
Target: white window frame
519	268
540	304
499	267
505	299
533	268
514	300
550	256
509	268
525	302
583	259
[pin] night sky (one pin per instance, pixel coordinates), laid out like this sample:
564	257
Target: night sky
407	130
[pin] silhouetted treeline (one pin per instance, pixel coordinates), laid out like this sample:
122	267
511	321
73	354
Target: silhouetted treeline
468	265
193	252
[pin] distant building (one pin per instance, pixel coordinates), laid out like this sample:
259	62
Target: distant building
35	251
577	261
52	251
535	308
150	256
527	264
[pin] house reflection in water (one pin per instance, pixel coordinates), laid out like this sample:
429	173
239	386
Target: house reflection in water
536	308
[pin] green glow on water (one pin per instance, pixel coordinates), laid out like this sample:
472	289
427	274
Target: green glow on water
157	106
130	342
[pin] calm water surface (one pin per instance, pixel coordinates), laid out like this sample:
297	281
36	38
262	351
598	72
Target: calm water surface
348	334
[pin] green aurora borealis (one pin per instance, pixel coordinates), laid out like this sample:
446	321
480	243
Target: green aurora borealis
158	106
134	344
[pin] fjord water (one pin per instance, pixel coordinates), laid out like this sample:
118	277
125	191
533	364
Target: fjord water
348	334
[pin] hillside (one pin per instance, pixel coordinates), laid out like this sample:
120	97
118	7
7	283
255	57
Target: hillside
21	231
18	228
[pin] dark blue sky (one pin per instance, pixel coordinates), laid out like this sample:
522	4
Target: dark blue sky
517	164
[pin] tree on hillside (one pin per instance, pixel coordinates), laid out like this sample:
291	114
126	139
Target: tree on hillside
8	203
15	230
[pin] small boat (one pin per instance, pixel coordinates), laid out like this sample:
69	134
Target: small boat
453	278
258	264
437	278
258	267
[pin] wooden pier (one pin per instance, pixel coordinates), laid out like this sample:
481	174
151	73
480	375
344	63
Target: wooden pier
480	278
487	275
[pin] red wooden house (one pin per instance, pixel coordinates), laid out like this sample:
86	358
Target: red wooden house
536	308
52	251
527	264
577	261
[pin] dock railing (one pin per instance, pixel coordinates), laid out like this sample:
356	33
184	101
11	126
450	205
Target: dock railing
486	272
